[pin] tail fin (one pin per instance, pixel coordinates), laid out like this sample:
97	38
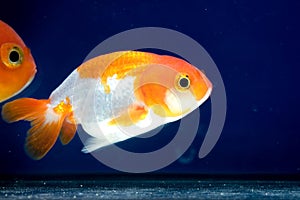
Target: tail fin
46	123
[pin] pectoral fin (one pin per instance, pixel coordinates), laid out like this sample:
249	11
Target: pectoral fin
135	113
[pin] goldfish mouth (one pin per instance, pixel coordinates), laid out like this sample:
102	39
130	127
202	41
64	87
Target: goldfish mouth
205	97
202	96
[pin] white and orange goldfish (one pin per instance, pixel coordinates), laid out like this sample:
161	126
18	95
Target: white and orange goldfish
17	67
114	97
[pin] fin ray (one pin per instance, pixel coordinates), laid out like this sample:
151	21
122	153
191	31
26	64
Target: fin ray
68	130
40	140
94	143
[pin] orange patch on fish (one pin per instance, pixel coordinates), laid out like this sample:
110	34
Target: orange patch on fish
118	64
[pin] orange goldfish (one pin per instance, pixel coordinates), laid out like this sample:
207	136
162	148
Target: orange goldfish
113	97
17	67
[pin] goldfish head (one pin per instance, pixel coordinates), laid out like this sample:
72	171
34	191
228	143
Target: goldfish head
172	87
17	66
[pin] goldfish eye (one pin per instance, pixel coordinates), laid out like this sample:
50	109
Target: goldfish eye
183	82
11	55
15	56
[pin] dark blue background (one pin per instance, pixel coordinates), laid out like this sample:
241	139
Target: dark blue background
255	45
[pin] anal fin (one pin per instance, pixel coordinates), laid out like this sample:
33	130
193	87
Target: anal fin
94	143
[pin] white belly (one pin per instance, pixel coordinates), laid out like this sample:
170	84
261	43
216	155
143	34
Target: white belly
91	105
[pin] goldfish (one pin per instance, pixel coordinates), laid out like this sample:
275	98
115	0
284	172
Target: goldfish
17	66
113	97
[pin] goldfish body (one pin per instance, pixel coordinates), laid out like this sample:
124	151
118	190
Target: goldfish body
17	67
114	97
